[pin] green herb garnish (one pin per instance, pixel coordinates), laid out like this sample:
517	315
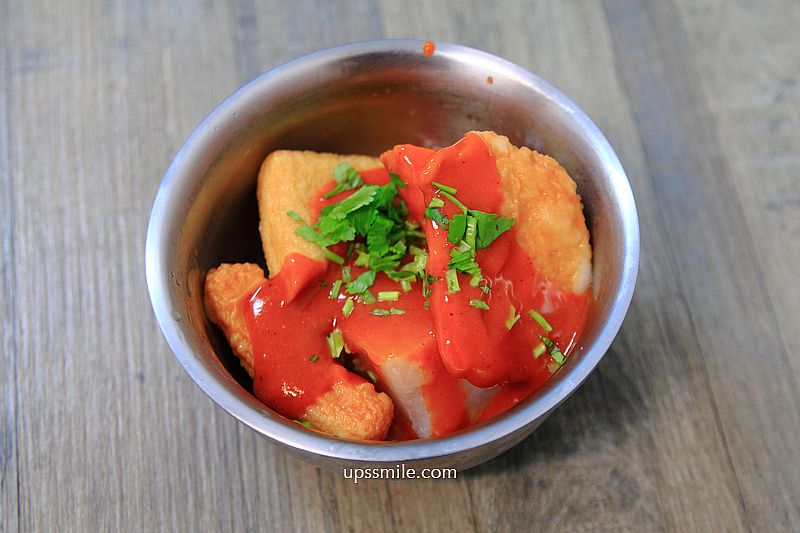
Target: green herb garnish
347	308
479	304
305	424
539	350
452	281
314	358
388	296
372	376
294	216
335	343
555	353
540	320
347	178
337	285
445	188
371	213
513	317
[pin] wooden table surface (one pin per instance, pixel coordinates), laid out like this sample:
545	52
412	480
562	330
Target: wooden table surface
690	423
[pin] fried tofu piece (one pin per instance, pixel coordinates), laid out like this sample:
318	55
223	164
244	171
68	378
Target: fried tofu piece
543	199
351	411
291	181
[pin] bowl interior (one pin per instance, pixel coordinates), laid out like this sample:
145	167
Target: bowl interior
365	100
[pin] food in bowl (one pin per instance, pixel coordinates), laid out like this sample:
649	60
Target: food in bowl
409	296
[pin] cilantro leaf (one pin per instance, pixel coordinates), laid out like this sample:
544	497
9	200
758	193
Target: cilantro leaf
490	227
360	198
363	282
457	228
347	178
437	216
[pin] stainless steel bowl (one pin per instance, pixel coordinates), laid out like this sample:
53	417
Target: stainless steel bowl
365	98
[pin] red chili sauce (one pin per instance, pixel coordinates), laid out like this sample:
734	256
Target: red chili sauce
290	316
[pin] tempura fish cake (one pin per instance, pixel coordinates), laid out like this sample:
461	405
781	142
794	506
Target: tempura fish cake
348	410
291	181
543	199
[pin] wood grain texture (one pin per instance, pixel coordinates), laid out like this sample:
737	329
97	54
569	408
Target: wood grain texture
690	423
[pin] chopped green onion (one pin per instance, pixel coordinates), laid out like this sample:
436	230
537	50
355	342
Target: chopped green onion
476	280
396	311
388	296
381	312
294	216
452	281
395	178
479	304
454	200
539	350
555	353
336	258
346	274
471	232
335	343
372	376
305	424
443	187
367	297
436	202
314	358
437	216
362	260
405	284
513	317
337	285
540	320
485	289
347	308
416	250
463	247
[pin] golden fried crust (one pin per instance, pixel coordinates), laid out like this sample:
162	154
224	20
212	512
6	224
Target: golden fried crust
352	411
291	180
541	196
226	285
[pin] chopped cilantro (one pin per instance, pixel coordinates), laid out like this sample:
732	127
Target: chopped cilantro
555	353
363	282
540	320
333	256
479	304
367	297
335	343
388	296
454	200
437	216
458	226
490	227
294	216
347	178
452	281
445	188
436	202
337	285
395	178
347	308
539	350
